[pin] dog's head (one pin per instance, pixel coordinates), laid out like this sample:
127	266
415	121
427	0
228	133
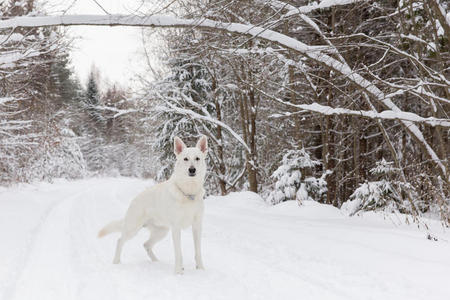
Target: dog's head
190	161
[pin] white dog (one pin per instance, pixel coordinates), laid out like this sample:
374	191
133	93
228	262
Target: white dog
174	204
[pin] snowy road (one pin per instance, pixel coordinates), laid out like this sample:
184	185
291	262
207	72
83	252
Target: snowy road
49	250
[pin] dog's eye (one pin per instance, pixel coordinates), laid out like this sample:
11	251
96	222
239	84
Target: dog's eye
197	158
185	159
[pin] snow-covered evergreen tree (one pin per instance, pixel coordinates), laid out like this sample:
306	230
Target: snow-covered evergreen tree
66	85
60	157
290	184
376	195
92	96
92	127
185	89
92	101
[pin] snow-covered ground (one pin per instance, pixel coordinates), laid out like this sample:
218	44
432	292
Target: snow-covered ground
49	250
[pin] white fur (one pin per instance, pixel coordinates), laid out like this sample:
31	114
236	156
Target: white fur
169	205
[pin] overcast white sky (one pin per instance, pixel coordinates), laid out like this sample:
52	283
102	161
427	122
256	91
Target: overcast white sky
112	49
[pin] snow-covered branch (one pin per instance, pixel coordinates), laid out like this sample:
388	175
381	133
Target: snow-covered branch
197	116
384	115
118	112
292	10
442	16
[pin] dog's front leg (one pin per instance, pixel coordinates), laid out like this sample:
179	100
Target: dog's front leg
176	237
197	235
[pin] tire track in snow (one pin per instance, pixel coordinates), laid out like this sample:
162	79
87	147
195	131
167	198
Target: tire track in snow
86	260
91	258
42	263
11	287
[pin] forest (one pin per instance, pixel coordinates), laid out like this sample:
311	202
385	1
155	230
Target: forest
342	102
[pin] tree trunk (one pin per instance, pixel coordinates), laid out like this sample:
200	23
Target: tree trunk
222	169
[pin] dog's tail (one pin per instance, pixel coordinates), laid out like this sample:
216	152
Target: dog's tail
114	226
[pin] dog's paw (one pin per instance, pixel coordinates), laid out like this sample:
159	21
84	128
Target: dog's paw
179	271
200	267
151	255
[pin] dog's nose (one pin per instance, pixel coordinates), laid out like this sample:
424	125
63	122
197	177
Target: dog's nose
191	171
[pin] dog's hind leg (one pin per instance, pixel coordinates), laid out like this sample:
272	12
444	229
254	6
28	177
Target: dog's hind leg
119	247
128	232
156	234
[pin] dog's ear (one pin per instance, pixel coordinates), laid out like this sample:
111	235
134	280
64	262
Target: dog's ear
178	145
202	144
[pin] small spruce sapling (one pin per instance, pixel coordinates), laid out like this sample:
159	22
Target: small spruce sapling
376	195
289	184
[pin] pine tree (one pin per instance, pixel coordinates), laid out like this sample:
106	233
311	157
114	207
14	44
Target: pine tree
290	182
67	87
92	128
381	194
92	96
186	88
91	103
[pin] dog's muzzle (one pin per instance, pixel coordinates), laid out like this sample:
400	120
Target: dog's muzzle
192	171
